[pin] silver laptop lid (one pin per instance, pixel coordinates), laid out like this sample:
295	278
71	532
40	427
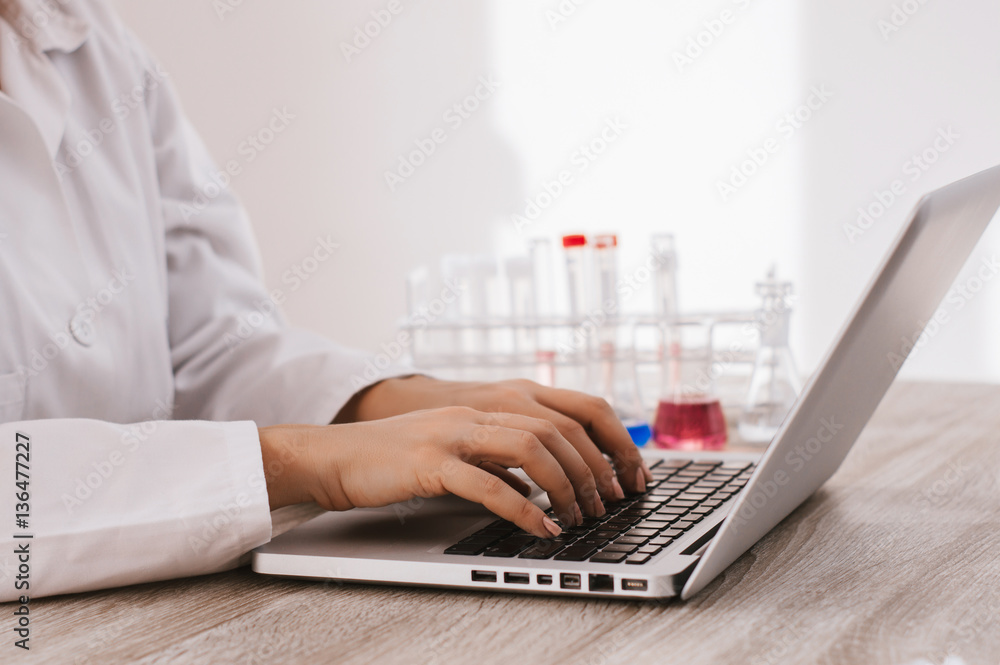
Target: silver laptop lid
858	370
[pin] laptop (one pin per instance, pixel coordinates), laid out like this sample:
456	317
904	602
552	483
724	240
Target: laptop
702	510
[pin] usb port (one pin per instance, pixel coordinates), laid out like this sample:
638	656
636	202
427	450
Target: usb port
484	576
602	582
634	585
517	578
569	580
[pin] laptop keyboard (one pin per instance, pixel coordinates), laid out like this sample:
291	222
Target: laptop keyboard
635	529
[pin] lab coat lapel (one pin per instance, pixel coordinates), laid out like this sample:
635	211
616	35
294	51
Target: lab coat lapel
29	77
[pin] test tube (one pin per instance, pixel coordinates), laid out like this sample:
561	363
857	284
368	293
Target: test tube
521	291
575	250
665	288
606	258
606	262
540	250
573	373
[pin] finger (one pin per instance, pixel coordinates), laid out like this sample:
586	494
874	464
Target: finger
569	456
604	427
520	448
477	485
575	433
511	479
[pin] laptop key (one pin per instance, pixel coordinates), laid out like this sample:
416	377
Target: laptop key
632	540
576	553
642	533
608	557
648	549
684	525
476	539
605	534
620	547
637	559
467	550
593	542
510	546
543	549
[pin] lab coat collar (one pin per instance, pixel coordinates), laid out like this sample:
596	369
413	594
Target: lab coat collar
28	75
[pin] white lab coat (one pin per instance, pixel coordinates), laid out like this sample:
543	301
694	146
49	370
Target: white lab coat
130	292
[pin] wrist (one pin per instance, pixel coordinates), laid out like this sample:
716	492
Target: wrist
391	397
284	455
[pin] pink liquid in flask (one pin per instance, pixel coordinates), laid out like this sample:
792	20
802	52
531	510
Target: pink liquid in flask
690	423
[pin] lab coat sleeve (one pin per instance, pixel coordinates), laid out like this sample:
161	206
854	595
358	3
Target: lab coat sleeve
90	505
233	356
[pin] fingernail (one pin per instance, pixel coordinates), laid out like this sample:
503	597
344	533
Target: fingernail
617	487
551	527
649	474
598	505
640	480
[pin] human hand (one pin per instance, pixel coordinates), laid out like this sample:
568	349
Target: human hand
587	422
427	453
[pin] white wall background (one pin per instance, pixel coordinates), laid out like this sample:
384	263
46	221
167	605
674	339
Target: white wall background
687	127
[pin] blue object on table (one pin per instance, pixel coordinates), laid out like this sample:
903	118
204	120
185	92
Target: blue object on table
640	433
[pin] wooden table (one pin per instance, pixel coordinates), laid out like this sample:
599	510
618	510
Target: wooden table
896	560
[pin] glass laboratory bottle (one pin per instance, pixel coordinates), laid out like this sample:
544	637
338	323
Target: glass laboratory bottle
689	415
664	252
575	252
775	383
573	365
614	364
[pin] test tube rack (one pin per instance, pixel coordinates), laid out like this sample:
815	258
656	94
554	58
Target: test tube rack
561	351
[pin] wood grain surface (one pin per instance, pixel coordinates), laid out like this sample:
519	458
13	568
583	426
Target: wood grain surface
896	561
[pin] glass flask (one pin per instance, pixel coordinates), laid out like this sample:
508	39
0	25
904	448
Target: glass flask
775	383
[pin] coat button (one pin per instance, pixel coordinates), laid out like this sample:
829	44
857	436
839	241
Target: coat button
82	330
